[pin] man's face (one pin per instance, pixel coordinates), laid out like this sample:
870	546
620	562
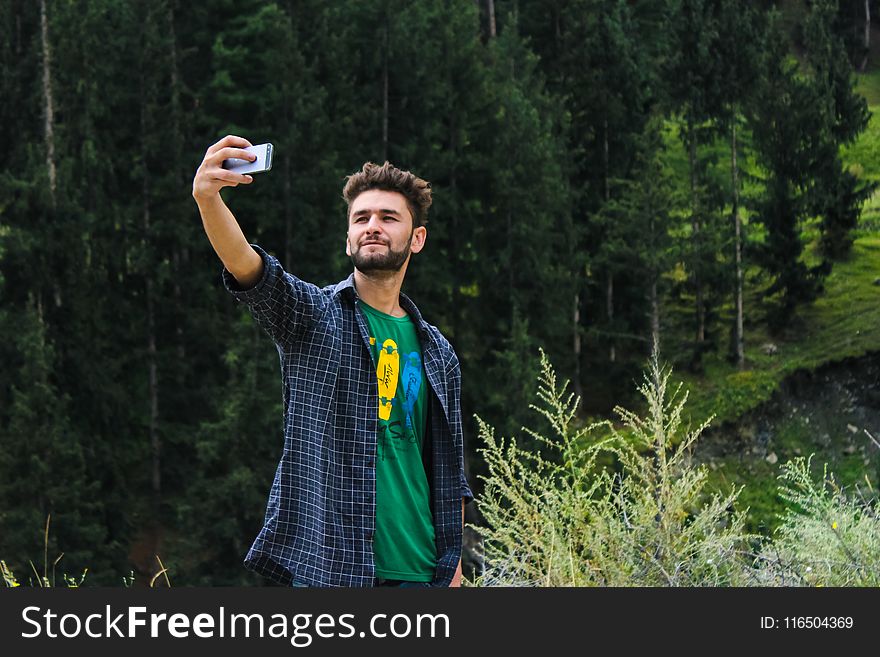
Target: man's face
380	232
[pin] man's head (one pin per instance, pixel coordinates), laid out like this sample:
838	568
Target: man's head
387	213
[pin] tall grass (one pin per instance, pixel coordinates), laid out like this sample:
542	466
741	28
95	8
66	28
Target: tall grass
43	581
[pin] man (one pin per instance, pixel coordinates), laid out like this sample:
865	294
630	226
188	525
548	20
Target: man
370	489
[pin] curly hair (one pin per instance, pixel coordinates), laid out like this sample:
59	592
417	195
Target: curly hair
389	178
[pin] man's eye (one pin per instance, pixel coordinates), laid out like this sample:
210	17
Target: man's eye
390	217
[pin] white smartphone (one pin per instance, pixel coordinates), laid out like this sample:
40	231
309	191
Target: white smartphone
261	164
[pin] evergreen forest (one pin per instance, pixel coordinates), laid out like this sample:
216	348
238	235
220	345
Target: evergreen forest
607	175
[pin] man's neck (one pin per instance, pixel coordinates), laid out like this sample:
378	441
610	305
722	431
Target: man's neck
381	290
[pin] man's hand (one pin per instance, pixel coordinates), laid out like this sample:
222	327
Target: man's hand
456	579
211	176
222	229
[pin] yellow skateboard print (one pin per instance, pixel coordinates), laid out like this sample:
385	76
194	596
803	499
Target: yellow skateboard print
387	372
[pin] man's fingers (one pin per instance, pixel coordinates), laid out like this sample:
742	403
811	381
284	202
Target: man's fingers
230	177
228	140
226	153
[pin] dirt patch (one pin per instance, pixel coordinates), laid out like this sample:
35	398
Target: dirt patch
824	411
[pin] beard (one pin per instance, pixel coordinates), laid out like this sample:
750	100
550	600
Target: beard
383	259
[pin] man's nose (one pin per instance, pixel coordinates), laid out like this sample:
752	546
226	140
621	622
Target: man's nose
374	222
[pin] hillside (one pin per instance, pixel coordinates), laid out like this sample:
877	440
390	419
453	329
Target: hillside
814	389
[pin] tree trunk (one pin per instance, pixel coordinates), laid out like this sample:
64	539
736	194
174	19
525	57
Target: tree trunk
490	10
155	446
655	313
49	123
453	233
652	289
18	47
152	370
578	388
178	324
152	373
454	236
288	215
738	336
609	299
695	224
606	161
385	89
48	105
510	265
557	26
288	177
456	282
864	63
176	258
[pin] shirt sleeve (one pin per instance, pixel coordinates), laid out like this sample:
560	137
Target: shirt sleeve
454	378
466	493
283	305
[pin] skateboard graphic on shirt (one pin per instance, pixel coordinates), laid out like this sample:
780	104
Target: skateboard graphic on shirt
387	371
389	379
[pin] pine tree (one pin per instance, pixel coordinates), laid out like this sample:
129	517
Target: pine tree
840	114
598	58
693	81
527	223
781	124
44	468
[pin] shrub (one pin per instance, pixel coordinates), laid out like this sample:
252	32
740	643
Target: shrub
573	520
826	537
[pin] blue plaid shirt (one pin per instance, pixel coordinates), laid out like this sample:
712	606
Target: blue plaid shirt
321	514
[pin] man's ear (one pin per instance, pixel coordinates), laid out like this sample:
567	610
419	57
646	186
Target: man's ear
347	246
420	235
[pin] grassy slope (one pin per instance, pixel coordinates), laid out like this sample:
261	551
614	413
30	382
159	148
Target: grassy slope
844	322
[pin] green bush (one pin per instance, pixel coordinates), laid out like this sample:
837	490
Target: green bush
623	505
826	537
643	520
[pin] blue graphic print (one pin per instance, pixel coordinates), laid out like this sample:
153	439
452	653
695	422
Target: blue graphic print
412	381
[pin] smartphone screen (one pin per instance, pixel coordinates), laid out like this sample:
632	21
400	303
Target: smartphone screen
261	164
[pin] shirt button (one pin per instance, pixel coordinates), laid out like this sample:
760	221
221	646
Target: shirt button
371	463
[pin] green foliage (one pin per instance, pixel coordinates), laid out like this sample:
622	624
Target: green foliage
42	580
827	537
841	115
648	518
843	323
742	390
623	505
119	345
44	462
571	522
785	150
236	455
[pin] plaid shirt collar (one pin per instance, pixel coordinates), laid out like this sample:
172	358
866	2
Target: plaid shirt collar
348	287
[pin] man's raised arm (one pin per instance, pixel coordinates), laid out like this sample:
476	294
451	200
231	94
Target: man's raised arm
220	225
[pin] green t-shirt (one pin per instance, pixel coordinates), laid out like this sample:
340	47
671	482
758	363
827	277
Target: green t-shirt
403	547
